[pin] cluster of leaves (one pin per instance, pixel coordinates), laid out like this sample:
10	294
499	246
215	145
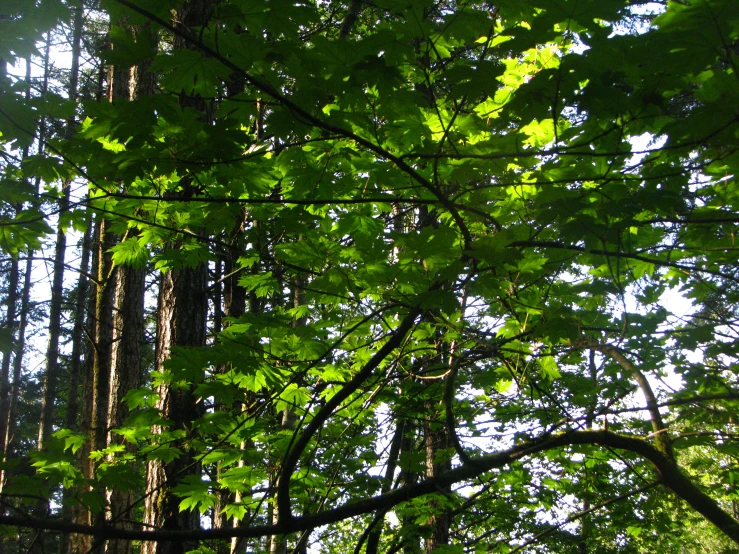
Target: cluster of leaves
527	179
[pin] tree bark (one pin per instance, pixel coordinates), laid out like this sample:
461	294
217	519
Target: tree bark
182	317
81	544
76	364
437	462
126	374
183	311
5	384
128	321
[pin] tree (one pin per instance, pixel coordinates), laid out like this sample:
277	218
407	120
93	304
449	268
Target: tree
433	275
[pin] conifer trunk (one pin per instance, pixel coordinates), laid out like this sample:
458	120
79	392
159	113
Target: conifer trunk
5	383
182	317
128	327
183	311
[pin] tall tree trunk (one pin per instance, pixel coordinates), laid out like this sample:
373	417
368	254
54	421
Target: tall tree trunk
103	337
126	363
9	420
78	331
52	373
375	533
234	305
11	324
19	351
128	325
586	523
183	312
182	318
76	363
81	544
411	544
288	420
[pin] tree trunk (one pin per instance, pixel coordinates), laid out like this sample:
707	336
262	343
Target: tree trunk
182	317
78	331
128	324
411	545
81	544
51	376
11	324
126	364
76	365
8	436
183	311
437	462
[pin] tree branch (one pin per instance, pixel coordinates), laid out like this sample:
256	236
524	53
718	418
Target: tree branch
669	474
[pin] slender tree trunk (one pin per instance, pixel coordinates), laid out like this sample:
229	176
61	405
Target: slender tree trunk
103	347
76	364
9	419
373	539
81	544
278	543
78	331
234	305
128	340
11	324
437	462
51	377
52	373
586	523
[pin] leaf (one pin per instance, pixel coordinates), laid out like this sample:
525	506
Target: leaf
549	368
131	252
195	494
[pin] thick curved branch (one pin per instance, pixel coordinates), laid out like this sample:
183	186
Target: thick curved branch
661	435
669	474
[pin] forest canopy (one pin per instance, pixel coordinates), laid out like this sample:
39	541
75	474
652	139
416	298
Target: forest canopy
449	276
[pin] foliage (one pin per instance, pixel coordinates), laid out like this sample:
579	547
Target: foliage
460	220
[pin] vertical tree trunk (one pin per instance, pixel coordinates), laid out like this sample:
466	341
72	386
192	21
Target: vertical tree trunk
81	544
411	545
76	365
278	543
183	312
182	318
128	325
9	396
103	339
78	331
437	462
11	324
373	539
126	364
586	523
14	390
52	373
234	305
